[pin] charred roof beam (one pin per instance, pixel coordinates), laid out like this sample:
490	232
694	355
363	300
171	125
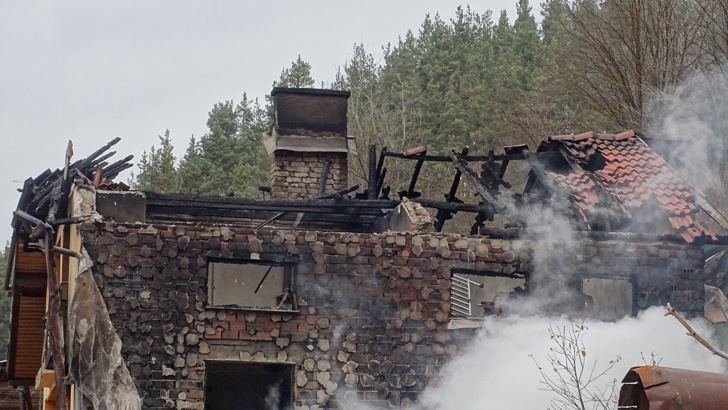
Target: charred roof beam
485	194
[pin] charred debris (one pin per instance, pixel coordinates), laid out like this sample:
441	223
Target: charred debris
604	182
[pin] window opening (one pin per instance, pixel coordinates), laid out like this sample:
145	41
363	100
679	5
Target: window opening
611	298
251	285
461	295
476	293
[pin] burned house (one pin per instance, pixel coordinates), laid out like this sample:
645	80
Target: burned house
323	293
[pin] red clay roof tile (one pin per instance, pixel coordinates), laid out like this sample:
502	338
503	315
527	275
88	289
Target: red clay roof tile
631	174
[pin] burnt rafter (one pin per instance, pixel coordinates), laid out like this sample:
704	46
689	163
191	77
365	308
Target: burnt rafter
420	153
300	214
44	196
469	158
492	177
485	194
445	214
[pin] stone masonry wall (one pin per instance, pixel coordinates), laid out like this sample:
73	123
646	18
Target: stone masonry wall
297	175
374	308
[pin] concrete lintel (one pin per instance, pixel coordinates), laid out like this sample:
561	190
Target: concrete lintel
471	323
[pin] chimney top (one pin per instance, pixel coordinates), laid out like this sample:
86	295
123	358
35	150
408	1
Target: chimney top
308	142
310	91
310	112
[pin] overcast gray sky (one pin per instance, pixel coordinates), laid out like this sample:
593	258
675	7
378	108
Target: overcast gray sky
91	71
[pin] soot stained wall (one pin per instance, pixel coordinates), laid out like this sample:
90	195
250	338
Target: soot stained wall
373	308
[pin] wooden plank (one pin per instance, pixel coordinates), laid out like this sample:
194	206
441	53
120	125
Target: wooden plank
470	158
472	176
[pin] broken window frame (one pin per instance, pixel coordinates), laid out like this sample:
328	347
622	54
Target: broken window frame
289	282
464	275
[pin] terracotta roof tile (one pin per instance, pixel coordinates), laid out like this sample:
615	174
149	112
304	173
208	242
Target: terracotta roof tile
631	174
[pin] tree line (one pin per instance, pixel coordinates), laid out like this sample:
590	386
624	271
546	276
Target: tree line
478	80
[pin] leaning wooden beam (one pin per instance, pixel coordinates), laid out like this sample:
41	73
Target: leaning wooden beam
116	166
27	399
443	214
101	159
538	169
692	333
490	175
373	178
111	175
452	206
472	176
416	174
324	177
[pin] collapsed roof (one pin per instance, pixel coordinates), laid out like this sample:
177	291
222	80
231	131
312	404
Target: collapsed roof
614	179
612	183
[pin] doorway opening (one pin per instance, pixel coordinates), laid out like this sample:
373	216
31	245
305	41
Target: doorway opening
255	386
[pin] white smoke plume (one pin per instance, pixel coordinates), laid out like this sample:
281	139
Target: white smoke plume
273	397
694	118
495	370
552	237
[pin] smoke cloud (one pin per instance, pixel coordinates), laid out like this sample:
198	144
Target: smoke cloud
693	117
496	371
273	397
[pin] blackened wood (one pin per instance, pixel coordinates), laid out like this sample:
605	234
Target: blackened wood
40	179
25	197
110	169
117	171
339	194
55	322
27	399
101	159
381	172
470	158
452	206
324	177
373	176
416	174
85	162
485	194
443	214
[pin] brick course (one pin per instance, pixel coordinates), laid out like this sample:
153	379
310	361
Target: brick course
297	175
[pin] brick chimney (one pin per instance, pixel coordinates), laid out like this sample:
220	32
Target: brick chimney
308	141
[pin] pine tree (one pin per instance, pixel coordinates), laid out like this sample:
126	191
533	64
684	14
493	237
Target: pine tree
191	169
297	76
157	169
253	167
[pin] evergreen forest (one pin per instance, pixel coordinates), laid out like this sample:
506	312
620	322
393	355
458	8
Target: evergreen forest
479	80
